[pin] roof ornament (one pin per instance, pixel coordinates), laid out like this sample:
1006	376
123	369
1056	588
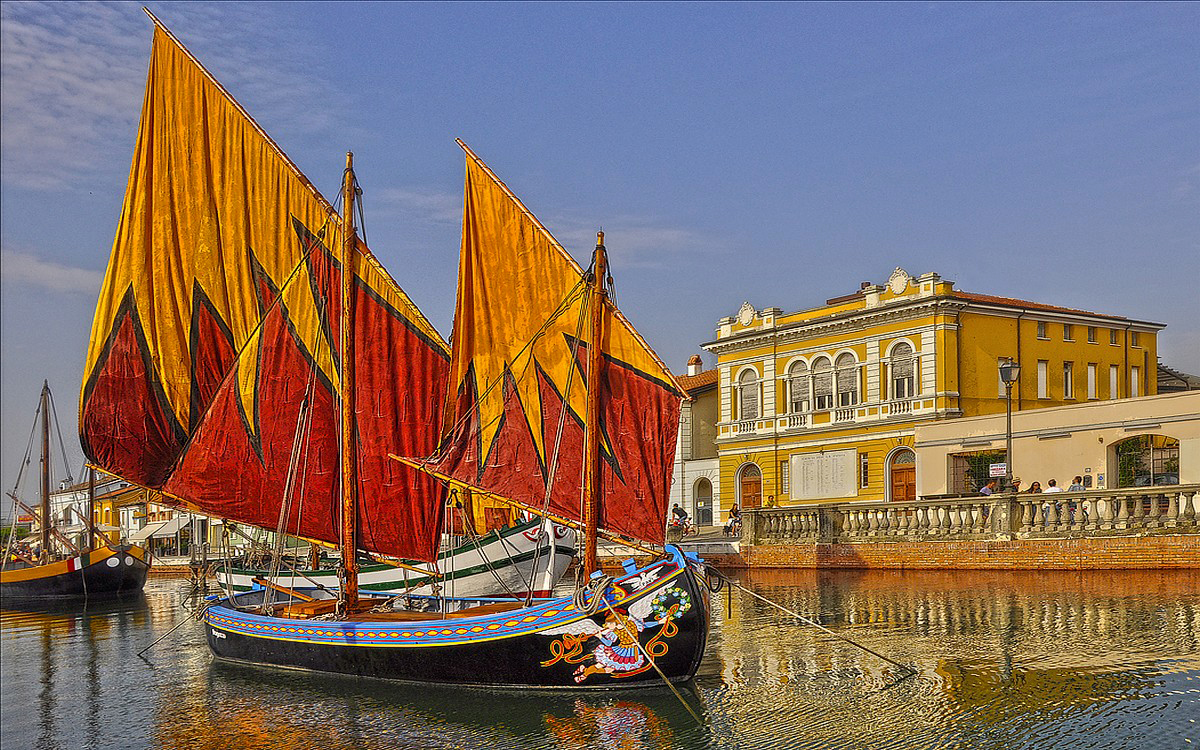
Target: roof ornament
746	314
899	281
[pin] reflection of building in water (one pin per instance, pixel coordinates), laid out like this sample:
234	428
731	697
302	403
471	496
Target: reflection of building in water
930	620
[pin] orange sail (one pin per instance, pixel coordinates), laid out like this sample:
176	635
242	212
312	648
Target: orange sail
519	381
212	371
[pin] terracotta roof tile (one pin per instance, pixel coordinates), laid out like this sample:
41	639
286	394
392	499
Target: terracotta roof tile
1013	302
692	383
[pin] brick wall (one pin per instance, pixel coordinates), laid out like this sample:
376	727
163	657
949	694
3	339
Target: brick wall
1104	553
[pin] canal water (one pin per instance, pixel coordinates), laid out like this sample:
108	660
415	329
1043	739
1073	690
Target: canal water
1004	660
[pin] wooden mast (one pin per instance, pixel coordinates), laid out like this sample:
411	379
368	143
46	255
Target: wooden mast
349	482
591	446
45	505
91	509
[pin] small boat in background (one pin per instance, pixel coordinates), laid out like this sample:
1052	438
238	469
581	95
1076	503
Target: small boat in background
528	557
54	567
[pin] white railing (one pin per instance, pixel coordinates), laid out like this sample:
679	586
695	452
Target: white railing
844	415
797	420
900	407
1069	514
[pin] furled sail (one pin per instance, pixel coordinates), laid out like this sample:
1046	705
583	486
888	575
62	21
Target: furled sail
212	372
519	382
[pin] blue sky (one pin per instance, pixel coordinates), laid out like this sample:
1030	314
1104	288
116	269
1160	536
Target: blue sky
771	153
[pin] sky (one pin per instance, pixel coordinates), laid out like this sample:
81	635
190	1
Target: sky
778	154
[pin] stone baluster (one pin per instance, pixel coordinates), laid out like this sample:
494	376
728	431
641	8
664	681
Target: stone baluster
982	516
1188	510
1091	513
848	523
1157	514
1027	511
872	522
943	513
921	519
1079	523
1137	511
957	519
1122	512
1052	514
1108	512
1172	509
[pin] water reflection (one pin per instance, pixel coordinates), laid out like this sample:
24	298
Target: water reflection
1094	660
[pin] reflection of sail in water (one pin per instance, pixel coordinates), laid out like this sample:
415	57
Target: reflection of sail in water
621	725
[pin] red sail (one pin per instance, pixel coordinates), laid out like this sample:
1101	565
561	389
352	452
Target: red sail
216	321
518	379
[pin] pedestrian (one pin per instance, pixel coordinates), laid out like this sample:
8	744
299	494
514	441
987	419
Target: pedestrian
1052	486
735	521
1076	485
770	501
989	488
1035	488
1016	484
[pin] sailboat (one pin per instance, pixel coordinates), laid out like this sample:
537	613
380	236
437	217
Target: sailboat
60	569
215	365
566	412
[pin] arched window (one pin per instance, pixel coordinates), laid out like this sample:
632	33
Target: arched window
799	385
1147	460
822	384
847	380
904	375
748	395
750	486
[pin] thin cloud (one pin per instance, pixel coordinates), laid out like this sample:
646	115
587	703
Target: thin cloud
431	207
634	242
73	76
25	268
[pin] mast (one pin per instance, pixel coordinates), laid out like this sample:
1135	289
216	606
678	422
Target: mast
349	483
91	508
591	446
45	509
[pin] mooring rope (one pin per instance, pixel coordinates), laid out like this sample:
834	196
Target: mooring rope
908	671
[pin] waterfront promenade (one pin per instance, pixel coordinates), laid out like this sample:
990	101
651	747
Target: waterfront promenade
1133	528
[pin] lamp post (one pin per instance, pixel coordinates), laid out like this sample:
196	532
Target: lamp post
1010	371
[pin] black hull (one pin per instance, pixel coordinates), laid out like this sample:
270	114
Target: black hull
89	576
500	651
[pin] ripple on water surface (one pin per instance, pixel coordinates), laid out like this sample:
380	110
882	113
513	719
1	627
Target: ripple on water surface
1002	660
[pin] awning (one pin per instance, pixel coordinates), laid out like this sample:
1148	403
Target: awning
159	529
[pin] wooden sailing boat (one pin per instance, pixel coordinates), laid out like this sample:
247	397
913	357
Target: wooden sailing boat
61	570
215	366
245	357
649	624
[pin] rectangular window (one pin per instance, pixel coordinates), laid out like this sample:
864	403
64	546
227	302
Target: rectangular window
1134	339
1091	334
784	483
1092	380
1135	381
864	471
1068	380
1068	334
1041	329
1043	378
1114	381
1112	336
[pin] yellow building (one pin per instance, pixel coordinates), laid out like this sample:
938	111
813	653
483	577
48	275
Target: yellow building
821	404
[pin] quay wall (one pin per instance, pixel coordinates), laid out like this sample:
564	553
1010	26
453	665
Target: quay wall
1105	553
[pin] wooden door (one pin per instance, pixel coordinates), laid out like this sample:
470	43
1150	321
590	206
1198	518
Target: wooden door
904	483
751	488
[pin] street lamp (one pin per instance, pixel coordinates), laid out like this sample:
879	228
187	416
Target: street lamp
1010	371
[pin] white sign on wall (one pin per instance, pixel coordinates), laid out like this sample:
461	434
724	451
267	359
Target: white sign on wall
828	474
